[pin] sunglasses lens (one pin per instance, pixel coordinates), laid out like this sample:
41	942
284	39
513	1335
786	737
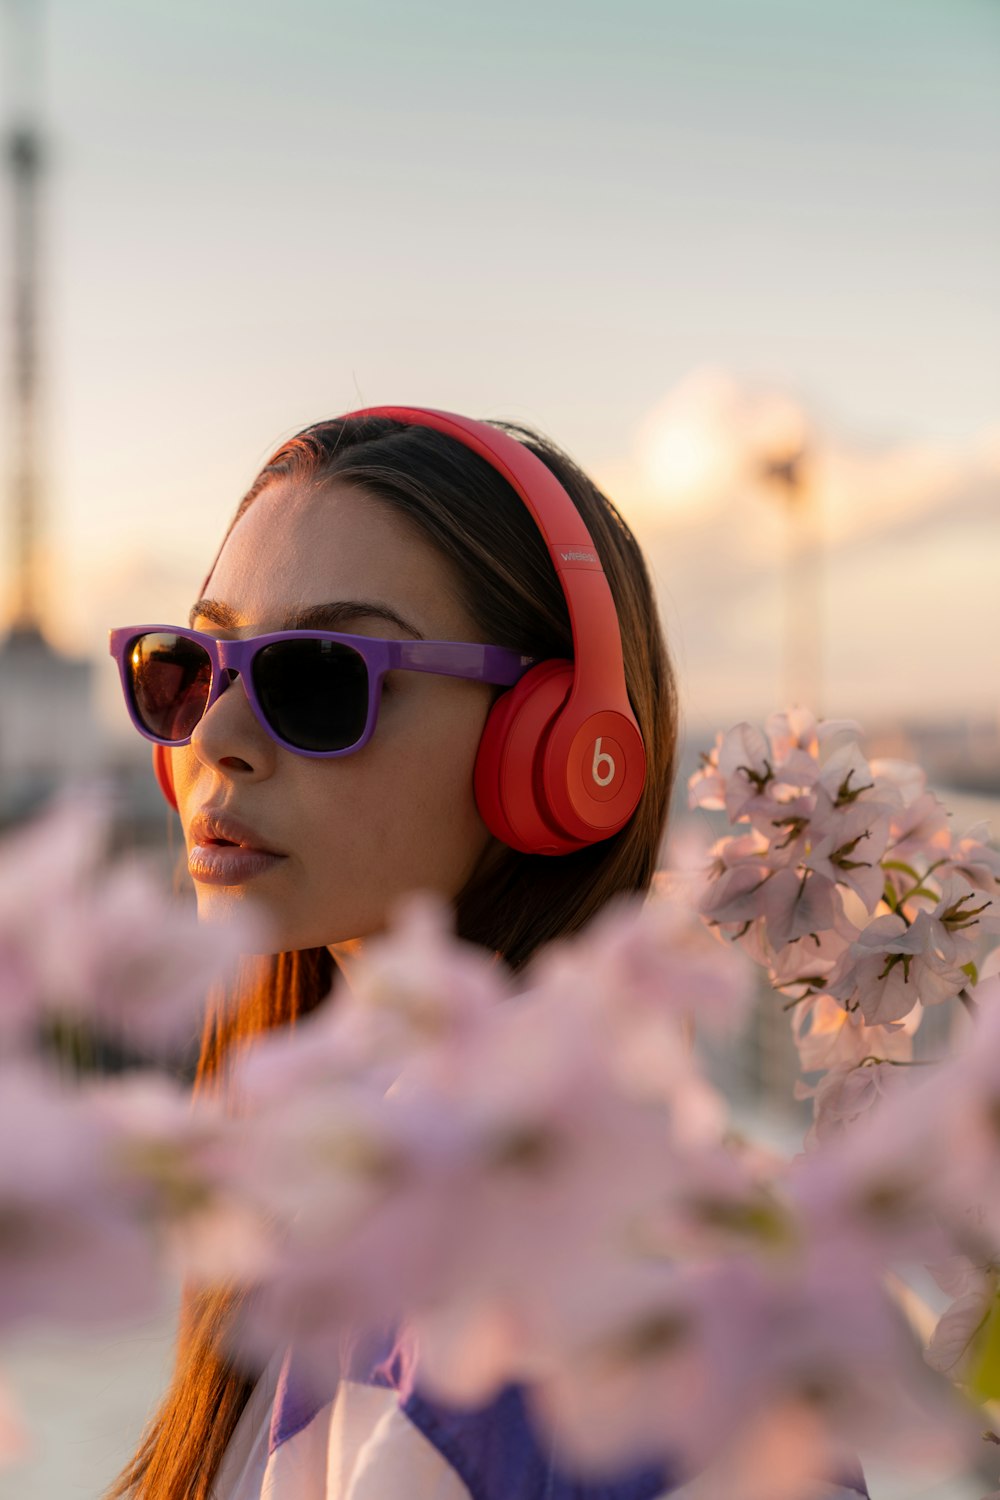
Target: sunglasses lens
169	679
314	693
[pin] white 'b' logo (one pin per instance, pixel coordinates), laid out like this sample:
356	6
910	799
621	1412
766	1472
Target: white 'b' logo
603	763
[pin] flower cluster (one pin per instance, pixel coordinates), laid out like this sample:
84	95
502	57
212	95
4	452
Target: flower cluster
848	886
87	938
101	1179
530	1178
548	1193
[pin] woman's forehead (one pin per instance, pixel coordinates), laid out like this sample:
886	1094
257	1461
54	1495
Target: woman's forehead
298	549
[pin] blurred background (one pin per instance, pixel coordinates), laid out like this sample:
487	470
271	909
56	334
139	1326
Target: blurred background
741	258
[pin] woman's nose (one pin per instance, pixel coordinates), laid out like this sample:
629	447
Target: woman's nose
229	731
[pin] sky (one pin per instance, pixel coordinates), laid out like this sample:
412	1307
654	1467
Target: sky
640	227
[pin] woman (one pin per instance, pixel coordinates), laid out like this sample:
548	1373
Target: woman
398	525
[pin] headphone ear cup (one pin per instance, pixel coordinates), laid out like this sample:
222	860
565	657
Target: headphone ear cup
508	772
164	775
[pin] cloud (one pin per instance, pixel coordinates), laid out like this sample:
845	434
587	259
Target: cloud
711	443
903	539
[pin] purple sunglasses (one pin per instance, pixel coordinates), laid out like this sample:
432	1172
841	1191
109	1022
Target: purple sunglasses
315	691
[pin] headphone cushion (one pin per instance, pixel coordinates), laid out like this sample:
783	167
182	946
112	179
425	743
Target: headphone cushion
508	772
164	775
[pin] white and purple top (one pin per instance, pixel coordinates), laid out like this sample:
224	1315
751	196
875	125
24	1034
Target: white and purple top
376	1438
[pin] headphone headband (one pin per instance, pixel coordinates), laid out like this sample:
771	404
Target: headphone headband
593	618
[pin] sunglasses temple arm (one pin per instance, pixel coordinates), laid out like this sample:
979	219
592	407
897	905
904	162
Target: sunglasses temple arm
494	664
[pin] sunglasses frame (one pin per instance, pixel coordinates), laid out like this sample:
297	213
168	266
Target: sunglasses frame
466	659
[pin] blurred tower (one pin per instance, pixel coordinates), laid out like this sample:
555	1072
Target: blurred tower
24	161
788	469
46	719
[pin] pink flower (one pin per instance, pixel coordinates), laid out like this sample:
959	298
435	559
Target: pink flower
779	1454
137	962
649	964
71	1248
636	1379
953	1345
175	1168
736	894
973	858
786	821
513	1132
919	832
890	967
847	1093
909	779
798	729
746	766
965	914
794	906
457	1199
417	984
359	1195
707	786
829	1037
876	1172
53	855
704	1371
953	1118
101	943
847	847
848	779
801	968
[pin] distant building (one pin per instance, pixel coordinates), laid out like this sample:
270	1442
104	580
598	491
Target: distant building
48	728
960	754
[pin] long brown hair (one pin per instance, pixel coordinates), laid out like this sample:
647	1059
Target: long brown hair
513	902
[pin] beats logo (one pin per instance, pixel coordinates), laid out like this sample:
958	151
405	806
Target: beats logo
603	769
605	758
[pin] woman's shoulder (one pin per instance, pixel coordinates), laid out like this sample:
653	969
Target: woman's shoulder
376	1436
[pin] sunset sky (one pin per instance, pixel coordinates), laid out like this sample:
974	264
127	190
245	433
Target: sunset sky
633	226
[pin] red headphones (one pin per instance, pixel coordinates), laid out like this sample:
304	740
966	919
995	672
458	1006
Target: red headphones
561	763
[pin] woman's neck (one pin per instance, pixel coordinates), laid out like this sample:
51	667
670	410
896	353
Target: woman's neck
345	955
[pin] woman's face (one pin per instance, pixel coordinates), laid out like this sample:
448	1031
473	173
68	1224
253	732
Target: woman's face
359	831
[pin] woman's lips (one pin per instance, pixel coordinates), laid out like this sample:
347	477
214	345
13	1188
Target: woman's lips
228	864
210	827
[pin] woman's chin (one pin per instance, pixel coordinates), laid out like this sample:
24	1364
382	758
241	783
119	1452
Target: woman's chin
259	928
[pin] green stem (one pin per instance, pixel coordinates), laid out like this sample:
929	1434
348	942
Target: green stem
898	864
893	1062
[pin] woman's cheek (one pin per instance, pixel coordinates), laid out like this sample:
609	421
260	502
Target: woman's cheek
430	832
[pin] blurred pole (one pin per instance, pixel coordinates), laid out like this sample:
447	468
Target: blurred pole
802	676
25	159
787	470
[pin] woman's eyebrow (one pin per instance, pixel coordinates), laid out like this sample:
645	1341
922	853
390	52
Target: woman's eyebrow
314	617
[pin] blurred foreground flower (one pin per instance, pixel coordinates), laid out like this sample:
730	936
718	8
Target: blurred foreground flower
546	1194
529	1178
85	940
99	1182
